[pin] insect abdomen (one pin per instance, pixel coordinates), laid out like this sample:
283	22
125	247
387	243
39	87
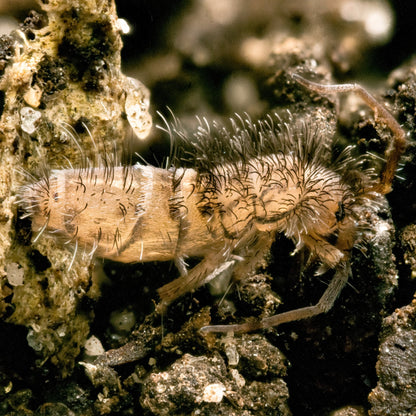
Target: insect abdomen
106	210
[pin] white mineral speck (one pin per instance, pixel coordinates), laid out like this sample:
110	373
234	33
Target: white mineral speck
213	393
137	107
382	227
29	118
123	26
15	274
122	321
232	354
33	340
93	347
238	378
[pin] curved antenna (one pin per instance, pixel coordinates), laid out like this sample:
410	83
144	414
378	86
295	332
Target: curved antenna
396	147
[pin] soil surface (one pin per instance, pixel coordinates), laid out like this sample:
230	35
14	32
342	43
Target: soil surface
87	340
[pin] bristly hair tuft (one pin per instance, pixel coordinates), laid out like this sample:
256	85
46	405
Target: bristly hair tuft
214	145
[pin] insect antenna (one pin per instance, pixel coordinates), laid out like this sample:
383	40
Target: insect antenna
395	148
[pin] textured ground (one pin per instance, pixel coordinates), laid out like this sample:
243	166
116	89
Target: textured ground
214	59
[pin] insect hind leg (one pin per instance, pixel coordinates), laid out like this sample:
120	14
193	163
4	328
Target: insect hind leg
324	304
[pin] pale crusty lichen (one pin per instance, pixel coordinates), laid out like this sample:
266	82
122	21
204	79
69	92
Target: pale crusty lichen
63	76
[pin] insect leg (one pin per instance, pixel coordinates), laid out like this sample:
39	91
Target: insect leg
328	253
181	266
190	281
324	305
396	147
253	253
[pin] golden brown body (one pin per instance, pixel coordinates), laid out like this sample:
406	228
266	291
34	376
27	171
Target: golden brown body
225	213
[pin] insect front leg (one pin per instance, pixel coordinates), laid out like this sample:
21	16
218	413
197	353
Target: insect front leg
327	252
253	254
193	278
181	266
